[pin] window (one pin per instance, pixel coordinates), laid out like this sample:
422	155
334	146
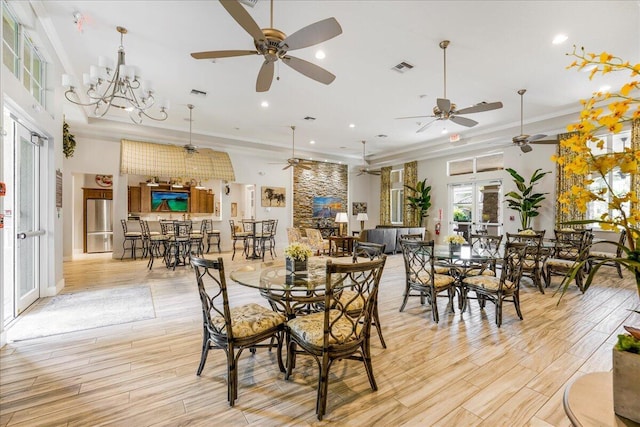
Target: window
9	40
29	67
620	182
397	196
490	162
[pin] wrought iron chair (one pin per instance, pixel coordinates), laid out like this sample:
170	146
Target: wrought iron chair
179	245
155	243
131	238
265	237
337	332
232	329
422	277
239	236
604	258
571	248
211	233
507	286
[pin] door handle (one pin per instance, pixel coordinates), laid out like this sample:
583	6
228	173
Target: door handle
26	234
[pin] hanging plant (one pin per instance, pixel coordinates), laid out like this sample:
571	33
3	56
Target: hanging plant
68	141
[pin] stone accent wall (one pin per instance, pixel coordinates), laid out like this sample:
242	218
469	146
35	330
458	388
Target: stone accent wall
325	180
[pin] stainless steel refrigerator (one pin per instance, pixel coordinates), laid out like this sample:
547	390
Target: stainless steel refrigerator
99	225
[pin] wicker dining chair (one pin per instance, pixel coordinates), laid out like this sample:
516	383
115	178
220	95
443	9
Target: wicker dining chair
507	286
336	332
533	265
604	258
571	249
421	276
232	329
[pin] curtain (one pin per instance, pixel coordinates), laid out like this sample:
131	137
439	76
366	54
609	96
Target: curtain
635	146
385	194
564	182
411	218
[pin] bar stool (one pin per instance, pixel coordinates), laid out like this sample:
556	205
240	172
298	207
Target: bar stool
211	233
132	237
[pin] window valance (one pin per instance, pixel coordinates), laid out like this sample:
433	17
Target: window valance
148	158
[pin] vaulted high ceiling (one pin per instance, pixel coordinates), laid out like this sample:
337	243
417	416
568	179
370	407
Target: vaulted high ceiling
497	47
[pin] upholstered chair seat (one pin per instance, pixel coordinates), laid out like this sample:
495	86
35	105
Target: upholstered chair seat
250	319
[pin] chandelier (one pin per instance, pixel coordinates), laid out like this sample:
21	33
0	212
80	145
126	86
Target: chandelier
117	87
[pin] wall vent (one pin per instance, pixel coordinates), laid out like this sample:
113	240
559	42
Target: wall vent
402	67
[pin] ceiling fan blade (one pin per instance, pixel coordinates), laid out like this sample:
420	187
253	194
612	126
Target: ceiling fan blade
545	141
213	54
265	77
377	173
423	128
478	108
444	105
242	17
313	34
412	117
310	70
463	121
536	137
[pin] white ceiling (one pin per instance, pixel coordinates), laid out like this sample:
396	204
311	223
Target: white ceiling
497	47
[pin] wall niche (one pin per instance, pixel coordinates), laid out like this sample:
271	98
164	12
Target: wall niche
322	180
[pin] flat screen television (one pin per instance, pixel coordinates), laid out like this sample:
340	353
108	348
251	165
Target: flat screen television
169	201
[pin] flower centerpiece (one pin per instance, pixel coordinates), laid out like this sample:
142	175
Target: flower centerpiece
296	256
455	240
609	111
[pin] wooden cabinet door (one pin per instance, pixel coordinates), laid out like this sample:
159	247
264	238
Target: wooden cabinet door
134	200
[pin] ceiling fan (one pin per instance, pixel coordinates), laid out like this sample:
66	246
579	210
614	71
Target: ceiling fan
293	161
446	110
273	44
524	140
189	148
364	169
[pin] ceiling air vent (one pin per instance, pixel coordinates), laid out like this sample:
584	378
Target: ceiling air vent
402	67
197	92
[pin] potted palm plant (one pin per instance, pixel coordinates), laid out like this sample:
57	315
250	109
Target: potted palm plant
420	201
525	201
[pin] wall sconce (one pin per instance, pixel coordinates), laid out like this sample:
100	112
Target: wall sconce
362	217
341	218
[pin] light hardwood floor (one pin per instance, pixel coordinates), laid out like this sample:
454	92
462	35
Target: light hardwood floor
462	371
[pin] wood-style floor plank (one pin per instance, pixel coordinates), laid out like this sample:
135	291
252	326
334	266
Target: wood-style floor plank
461	371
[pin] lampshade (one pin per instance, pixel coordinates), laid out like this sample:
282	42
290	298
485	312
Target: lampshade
362	217
341	217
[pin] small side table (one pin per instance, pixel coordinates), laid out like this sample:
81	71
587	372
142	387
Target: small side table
341	245
588	401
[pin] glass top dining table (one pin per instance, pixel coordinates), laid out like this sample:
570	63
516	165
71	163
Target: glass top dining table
289	293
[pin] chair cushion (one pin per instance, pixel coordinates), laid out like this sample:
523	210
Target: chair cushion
596	254
478	271
439	280
195	236
213	231
159	238
250	319
486	282
441	269
560	263
133	234
310	328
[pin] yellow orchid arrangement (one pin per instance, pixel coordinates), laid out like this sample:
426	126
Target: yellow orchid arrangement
298	251
597	117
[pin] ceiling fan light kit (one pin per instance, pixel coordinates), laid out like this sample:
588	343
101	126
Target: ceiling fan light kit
122	89
273	45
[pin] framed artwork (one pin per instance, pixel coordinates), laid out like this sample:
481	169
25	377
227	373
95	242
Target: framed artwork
273	197
326	207
359	207
234	209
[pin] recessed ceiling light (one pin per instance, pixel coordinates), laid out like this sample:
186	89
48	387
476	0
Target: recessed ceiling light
352	125
312	142
444	130
605	88
559	39
264	104
320	54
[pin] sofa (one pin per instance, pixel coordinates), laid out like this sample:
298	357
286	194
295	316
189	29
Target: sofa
389	236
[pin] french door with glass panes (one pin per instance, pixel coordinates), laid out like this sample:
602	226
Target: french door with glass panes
475	208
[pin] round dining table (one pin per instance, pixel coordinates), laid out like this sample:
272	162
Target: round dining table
290	293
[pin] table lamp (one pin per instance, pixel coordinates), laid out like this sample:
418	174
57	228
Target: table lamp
362	217
341	218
